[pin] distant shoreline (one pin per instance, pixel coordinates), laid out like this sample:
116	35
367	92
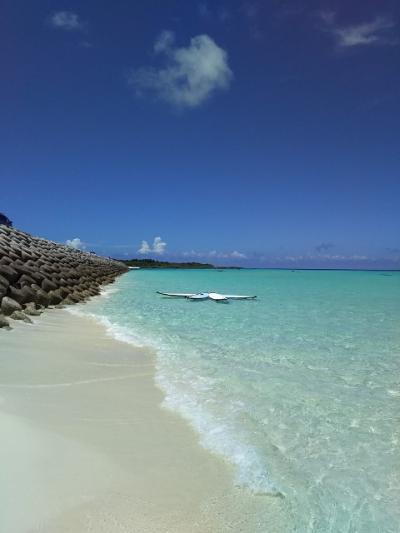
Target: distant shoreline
149	264
189	265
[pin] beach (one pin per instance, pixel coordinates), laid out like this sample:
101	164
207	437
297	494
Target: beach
132	411
86	445
200	267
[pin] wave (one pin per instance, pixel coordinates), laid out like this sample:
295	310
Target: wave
220	436
116	331
108	291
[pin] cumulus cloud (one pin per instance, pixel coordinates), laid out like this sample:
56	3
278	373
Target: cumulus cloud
144	248
365	33
158	247
76	243
66	20
189	76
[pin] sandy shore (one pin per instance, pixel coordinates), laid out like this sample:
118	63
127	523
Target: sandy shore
86	447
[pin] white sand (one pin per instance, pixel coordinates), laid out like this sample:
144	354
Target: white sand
85	446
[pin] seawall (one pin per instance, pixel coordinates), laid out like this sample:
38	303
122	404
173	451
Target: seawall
36	273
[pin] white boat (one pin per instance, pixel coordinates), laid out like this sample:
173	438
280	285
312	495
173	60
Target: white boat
217	297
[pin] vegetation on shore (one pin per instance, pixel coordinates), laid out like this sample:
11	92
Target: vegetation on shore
152	263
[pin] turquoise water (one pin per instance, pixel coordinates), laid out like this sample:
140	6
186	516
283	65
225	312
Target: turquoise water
299	389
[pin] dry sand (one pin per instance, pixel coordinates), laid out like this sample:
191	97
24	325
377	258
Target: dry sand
86	447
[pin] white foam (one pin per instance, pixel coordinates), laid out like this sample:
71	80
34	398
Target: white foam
108	291
116	331
220	436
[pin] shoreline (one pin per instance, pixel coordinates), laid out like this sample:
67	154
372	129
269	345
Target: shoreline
88	446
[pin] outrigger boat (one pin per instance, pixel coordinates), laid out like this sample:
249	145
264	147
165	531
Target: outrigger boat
207	296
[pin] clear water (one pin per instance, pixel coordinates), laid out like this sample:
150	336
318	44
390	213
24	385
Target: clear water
299	389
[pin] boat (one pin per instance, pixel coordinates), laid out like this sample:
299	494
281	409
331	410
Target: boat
199	296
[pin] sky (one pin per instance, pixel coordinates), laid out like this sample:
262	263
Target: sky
253	133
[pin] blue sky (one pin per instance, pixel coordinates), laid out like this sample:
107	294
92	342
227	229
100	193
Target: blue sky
250	133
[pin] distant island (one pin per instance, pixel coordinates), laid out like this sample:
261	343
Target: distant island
152	263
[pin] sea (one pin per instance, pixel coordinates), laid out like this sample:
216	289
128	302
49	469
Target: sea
298	389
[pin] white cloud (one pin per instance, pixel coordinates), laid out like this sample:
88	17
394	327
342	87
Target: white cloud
190	74
328	17
66	20
164	41
144	248
215	254
158	247
365	33
193	253
76	243
226	255
238	255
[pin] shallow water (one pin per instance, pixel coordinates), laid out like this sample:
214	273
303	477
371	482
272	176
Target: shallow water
299	389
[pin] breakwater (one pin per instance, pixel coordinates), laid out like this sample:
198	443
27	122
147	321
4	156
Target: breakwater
36	273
